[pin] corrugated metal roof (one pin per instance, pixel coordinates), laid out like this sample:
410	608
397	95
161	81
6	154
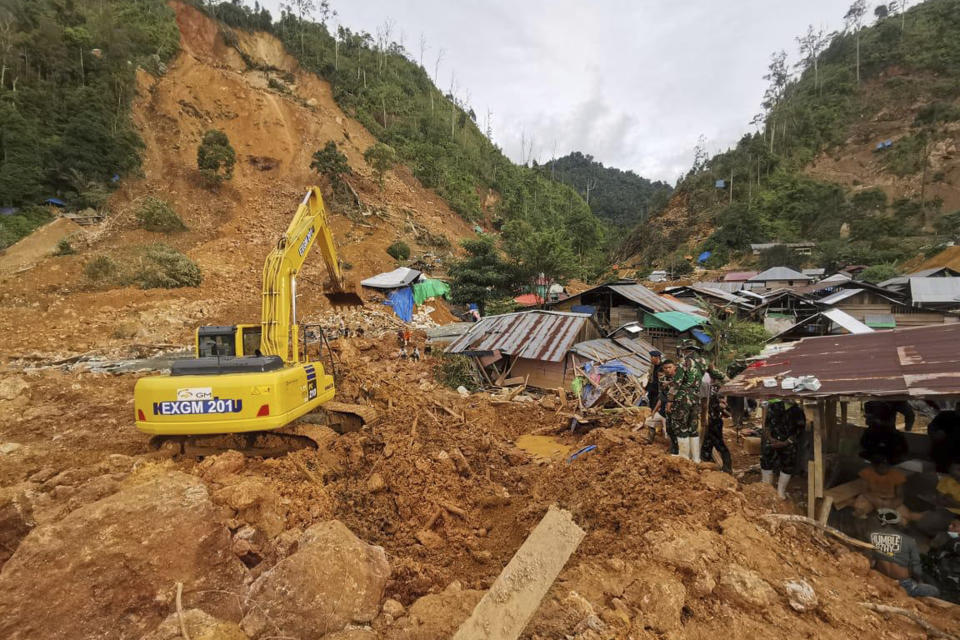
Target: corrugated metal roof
915	362
651	301
399	277
537	335
672	320
834	298
846	321
634	353
717	292
739	276
779	273
935	290
814	272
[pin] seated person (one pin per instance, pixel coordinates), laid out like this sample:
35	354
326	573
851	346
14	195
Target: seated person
884	489
881	437
944	560
897	556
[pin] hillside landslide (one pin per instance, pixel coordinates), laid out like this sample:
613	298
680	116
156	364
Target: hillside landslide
391	532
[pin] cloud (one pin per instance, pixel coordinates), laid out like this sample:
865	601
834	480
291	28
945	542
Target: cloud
633	83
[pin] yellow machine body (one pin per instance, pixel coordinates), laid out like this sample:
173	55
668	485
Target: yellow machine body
250	377
230	402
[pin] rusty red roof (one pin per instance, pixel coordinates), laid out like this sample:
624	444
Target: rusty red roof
538	335
913	362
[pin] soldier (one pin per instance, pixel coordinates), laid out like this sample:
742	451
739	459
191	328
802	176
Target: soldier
778	442
713	433
669	369
683	405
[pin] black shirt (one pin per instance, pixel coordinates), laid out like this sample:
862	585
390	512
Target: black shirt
653	385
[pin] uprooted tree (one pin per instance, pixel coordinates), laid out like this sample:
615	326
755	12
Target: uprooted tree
332	164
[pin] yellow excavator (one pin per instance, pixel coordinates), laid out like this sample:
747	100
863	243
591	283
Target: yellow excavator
249	383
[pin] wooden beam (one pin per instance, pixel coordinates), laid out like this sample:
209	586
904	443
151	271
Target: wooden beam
515	596
818	419
811	491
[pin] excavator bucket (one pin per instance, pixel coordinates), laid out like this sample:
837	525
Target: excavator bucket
346	296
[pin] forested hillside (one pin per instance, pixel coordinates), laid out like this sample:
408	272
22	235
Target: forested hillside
812	170
436	134
619	197
66	82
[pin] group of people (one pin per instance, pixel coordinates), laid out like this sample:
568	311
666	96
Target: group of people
683	401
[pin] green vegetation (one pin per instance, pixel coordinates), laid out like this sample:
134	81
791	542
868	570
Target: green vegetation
22	223
844	78
332	164
879	273
733	339
780	256
455	371
215	157
155	214
483	276
163	267
381	158
435	133
621	198
153	266
399	251
68	76
64	248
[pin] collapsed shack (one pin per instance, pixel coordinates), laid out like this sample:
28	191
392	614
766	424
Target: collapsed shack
919	363
526	347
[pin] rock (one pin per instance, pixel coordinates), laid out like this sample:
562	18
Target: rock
375	483
719	480
200	626
436	615
800	595
703	584
686	549
659	596
13	387
745	587
108	569
312	102
393	608
463	391
548	402
10	447
445	461
216	468
256	503
333	579
287	542
16	520
43	475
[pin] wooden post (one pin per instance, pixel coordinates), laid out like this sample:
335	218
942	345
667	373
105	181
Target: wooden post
811	491
843	412
818	420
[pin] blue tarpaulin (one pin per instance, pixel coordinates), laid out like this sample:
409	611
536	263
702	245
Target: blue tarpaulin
584	308
721	184
701	336
57	202
402	302
703	256
611	366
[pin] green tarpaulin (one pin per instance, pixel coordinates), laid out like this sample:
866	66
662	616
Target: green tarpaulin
677	320
430	289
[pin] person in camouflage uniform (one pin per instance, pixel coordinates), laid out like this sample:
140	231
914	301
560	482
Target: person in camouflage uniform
778	443
683	402
713	433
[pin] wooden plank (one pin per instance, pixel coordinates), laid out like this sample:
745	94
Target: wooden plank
811	491
818	419
825	509
515	596
843	412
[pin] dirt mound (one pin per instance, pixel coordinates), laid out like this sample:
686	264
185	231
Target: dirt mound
949	257
38	245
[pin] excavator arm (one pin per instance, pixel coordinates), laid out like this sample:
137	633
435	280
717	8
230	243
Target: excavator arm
278	320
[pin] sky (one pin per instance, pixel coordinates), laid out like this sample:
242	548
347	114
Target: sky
634	83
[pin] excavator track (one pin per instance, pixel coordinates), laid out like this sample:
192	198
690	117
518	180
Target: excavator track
313	431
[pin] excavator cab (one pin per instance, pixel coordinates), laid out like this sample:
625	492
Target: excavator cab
232	340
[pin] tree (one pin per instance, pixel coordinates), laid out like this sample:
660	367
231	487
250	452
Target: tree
854	21
878	273
881	11
332	164
215	156
381	158
482	276
542	256
20	167
811	45
777	76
